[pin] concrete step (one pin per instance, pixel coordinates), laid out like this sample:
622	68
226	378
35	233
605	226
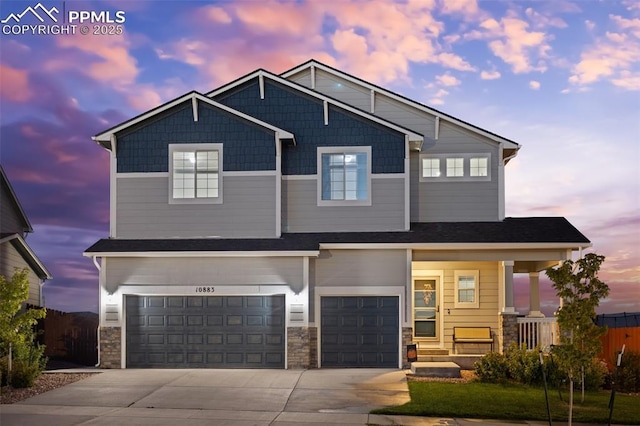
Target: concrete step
466	362
430	352
435	369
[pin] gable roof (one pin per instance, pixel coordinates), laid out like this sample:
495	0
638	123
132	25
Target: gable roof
509	144
105	138
261	73
14	198
532	232
27	254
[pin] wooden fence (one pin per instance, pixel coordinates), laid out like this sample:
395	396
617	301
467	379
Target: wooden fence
70	337
622	329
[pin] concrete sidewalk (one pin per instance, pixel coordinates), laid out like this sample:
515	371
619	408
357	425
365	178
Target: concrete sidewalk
226	397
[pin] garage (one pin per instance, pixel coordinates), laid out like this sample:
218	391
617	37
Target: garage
359	331
205	331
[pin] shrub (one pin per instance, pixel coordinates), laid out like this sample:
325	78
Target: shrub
523	365
25	369
23	374
491	368
628	374
595	374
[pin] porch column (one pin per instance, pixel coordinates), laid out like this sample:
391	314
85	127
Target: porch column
534	295
508	326
508	286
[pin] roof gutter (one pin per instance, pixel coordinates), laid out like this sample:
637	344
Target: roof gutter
454	246
270	253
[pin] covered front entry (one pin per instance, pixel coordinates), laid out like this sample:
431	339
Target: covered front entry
205	331
359	331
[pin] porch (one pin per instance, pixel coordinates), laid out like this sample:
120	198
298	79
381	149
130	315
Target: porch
531	331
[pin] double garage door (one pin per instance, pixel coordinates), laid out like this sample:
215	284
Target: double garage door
205	331
249	331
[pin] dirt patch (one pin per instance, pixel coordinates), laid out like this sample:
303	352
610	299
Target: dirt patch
44	383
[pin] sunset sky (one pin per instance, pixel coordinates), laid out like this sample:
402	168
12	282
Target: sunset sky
561	78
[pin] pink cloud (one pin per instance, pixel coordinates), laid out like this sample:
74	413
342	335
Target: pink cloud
217	14
187	51
374	40
516	45
489	75
614	57
114	64
541	21
451	60
145	98
468	9
280	17
14	84
447	79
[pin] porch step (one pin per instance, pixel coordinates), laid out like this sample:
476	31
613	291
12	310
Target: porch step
466	362
432	352
435	369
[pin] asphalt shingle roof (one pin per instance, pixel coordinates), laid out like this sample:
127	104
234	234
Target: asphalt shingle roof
510	230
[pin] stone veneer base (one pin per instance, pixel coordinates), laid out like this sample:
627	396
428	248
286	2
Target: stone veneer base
110	347
302	347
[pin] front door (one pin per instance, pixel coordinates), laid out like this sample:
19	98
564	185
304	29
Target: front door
426	308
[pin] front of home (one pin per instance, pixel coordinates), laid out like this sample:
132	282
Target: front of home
309	219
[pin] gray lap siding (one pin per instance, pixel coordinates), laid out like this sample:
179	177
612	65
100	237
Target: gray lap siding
248	210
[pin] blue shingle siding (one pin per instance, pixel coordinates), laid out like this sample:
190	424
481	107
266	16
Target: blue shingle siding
246	145
304	117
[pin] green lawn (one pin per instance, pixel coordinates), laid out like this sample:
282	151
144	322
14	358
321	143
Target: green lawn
514	402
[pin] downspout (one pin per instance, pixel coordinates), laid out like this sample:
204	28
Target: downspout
41	301
95	262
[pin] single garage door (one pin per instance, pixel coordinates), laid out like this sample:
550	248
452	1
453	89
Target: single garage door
359	331
205	331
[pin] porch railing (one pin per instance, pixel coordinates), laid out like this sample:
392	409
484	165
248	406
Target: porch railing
541	332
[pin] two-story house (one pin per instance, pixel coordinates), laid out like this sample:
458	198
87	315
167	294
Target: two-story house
309	219
15	253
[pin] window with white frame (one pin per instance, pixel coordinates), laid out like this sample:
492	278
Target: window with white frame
455	167
344	176
478	166
467	289
430	167
195	173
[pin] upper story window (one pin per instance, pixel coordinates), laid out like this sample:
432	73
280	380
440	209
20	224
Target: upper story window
344	176
478	166
455	167
195	173
431	167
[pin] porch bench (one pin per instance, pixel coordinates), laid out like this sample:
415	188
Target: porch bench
472	335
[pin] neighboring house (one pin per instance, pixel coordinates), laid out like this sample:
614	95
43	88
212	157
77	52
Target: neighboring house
309	219
15	253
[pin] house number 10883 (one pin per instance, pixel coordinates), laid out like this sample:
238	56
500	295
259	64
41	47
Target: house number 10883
205	289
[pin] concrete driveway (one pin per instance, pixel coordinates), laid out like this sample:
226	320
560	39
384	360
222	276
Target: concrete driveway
217	397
